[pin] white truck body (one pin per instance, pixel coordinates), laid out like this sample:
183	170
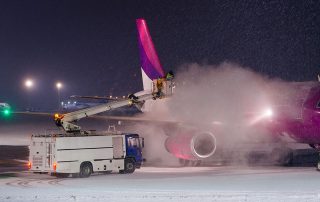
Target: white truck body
65	153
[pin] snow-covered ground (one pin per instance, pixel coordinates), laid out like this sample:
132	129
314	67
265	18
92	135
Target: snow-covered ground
169	184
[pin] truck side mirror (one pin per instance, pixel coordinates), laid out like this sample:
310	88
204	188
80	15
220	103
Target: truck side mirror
142	142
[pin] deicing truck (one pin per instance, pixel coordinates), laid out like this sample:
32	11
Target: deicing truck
82	154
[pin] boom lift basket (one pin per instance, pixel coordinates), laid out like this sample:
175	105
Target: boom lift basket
162	87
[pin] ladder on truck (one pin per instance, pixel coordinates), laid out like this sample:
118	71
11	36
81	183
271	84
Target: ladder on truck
49	147
48	154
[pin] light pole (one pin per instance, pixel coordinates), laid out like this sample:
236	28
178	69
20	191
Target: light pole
28	83
59	86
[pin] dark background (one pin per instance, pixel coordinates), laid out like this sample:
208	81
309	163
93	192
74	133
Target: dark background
91	46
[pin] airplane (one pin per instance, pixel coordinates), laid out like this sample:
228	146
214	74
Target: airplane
192	145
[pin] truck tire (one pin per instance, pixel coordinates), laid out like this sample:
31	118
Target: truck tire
85	170
129	165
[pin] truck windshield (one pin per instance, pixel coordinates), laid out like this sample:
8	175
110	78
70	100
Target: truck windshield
133	142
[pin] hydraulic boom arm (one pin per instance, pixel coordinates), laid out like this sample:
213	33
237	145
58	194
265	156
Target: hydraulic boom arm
66	121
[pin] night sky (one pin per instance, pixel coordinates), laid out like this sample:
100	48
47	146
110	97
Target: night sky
91	46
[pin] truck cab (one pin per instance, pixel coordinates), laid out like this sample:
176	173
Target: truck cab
134	145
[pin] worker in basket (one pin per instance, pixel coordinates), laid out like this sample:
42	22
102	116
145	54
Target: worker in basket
160	84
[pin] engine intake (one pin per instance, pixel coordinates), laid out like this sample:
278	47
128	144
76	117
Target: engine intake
191	146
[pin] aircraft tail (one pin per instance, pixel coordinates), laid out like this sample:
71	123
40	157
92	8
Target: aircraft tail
150	65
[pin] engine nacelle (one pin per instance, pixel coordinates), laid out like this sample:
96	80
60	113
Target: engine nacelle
191	145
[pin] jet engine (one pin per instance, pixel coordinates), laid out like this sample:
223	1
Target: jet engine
191	146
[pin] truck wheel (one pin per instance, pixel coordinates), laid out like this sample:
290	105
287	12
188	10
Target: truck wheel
85	170
129	166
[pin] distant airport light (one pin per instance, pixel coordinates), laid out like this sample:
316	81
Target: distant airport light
59	85
28	83
6	112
